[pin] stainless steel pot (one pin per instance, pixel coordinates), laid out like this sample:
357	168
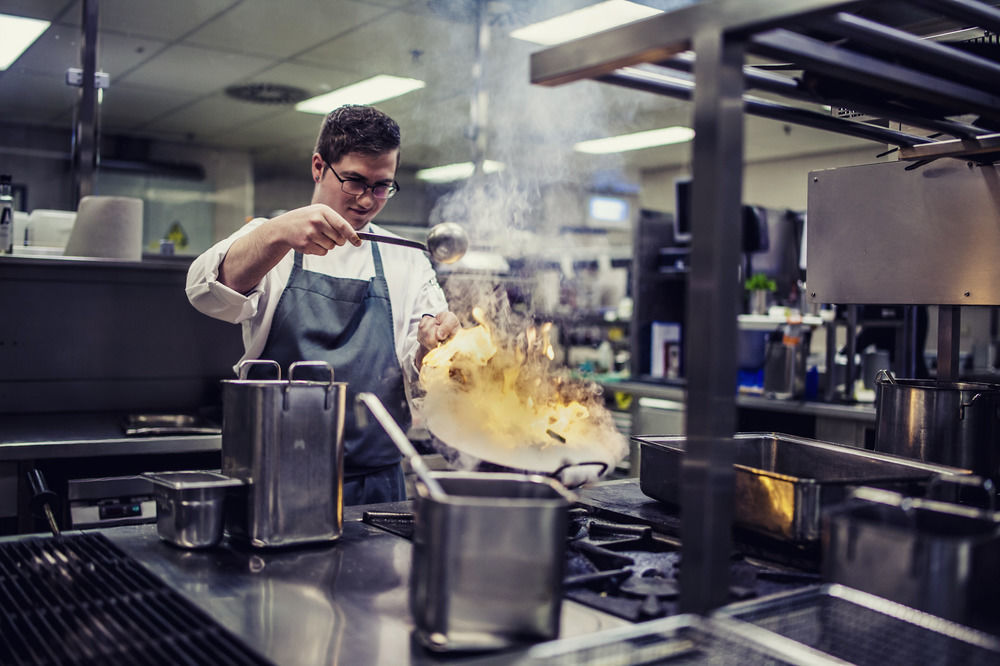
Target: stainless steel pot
952	423
284	439
488	560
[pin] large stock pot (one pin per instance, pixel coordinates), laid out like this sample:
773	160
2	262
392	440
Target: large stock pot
951	423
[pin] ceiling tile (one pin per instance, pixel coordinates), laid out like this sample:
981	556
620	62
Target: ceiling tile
252	26
213	115
31	98
41	9
130	106
160	20
195	69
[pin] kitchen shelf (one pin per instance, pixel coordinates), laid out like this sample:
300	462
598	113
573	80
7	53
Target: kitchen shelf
865	58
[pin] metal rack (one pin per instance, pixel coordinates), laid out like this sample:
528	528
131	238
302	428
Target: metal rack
866	56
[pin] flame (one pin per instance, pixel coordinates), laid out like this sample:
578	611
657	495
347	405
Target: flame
499	389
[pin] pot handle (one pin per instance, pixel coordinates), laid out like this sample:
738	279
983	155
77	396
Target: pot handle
967	489
961	409
315	364
244	367
557	472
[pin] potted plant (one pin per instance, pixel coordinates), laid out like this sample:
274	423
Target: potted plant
759	286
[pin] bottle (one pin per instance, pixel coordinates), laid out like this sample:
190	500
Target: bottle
6	216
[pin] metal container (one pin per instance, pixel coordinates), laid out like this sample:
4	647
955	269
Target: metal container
285	440
952	423
782	483
939	557
860	628
488	560
190	506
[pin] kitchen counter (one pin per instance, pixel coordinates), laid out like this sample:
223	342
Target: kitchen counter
39	437
343	603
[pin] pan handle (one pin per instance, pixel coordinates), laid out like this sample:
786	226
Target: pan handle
557	472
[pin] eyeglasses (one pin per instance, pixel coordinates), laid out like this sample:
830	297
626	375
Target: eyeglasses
357	187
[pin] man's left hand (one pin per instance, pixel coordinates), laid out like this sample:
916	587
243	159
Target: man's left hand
435	329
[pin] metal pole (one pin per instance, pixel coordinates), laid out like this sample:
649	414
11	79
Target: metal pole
85	143
949	328
713	307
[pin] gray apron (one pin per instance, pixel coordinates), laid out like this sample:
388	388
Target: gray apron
348	323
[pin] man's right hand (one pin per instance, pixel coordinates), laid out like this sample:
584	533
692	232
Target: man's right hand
312	229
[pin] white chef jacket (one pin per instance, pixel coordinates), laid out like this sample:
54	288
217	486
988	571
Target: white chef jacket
413	289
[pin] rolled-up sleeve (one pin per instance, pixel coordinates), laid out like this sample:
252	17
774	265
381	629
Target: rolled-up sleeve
211	297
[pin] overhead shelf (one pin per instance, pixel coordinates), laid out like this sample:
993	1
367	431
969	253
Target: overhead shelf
871	59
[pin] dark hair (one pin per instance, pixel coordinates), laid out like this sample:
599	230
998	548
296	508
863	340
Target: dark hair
354	128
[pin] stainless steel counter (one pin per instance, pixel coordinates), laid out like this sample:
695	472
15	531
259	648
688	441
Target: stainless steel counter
344	603
44	436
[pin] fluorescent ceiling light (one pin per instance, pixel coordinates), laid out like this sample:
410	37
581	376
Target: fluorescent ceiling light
457	171
595	18
376	89
636	141
17	34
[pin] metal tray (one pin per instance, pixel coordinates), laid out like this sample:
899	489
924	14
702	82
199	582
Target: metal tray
680	639
149	425
863	629
782	482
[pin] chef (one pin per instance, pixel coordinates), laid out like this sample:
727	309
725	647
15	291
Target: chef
304	287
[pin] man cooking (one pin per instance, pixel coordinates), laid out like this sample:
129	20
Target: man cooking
304	287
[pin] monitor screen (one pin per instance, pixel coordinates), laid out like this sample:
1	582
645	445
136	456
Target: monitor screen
682	218
608	211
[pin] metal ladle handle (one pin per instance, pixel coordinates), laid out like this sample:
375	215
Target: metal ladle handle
392	240
399	438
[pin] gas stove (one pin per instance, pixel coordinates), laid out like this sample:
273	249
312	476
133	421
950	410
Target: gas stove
623	555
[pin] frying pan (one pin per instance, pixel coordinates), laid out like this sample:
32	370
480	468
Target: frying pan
573	462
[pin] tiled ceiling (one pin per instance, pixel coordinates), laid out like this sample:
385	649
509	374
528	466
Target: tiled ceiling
170	62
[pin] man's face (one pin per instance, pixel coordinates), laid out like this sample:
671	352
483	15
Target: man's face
371	170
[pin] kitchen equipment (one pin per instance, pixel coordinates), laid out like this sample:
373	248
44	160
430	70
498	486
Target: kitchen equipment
785	362
284	439
151	425
400	440
488	560
446	242
939	557
782	482
190	506
952	423
690	639
873	364
864	629
79	599
42	498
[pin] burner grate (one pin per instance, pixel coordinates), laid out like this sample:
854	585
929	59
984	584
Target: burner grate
78	599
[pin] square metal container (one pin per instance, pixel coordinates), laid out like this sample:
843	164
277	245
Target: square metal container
488	560
782	482
939	557
284	439
190	506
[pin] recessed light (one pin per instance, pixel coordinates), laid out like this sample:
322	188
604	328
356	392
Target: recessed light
18	33
376	89
636	140
451	172
586	21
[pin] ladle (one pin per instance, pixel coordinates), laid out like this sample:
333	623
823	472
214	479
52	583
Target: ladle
399	438
446	243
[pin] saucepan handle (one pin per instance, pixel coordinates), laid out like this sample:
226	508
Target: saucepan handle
557	473
967	489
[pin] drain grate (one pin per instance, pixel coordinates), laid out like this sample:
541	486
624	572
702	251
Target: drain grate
78	599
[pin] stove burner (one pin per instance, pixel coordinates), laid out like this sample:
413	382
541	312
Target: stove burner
631	571
651	583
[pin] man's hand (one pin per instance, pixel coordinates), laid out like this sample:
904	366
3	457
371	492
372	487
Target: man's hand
313	229
433	330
